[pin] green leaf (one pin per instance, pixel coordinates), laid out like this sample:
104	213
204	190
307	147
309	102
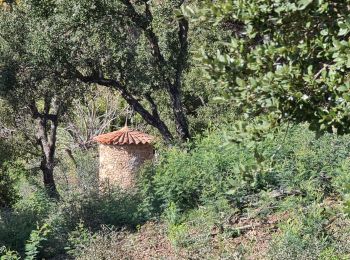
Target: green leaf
303	4
343	32
240	82
324	32
342	88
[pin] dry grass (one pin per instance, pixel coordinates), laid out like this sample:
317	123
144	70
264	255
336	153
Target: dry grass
150	242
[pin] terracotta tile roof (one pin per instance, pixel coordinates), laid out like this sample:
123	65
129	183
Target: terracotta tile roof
124	136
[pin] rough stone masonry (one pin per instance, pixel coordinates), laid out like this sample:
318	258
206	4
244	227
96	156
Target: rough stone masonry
121	154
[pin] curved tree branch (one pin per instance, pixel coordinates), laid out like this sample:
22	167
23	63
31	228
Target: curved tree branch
152	119
174	89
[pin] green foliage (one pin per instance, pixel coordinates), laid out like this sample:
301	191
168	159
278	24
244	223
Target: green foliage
295	161
17	224
286	60
304	236
196	190
301	237
213	169
23	47
110	208
11	171
5	151
6	254
78	239
299	171
93	41
87	170
194	230
33	245
81	169
263	63
9	174
176	230
342	180
302	158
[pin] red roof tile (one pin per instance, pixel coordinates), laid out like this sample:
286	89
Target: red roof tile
124	136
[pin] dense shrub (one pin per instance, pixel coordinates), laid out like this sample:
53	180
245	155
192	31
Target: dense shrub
17	224
77	171
9	173
78	240
297	173
303	159
292	161
8	192
311	234
113	208
197	190
212	170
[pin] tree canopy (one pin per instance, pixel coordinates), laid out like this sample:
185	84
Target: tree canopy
288	60
139	49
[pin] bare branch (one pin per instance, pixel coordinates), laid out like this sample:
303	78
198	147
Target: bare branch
131	100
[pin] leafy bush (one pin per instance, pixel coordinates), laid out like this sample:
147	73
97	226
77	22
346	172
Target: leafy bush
8	192
304	158
32	246
9	174
196	190
34	243
212	170
78	240
17	224
295	161
113	208
6	254
305	236
77	171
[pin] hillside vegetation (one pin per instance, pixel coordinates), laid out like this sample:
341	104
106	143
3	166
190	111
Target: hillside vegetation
248	101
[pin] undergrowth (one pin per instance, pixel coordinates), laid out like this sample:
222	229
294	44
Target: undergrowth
284	198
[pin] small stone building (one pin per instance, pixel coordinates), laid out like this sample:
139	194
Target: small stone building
122	153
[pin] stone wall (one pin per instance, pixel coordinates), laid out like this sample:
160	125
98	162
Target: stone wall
119	163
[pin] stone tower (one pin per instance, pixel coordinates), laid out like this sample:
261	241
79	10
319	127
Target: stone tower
122	153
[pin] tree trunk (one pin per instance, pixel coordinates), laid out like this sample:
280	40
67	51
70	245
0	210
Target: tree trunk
46	138
49	182
174	90
180	118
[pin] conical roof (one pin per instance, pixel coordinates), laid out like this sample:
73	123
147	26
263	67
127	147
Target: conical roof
124	136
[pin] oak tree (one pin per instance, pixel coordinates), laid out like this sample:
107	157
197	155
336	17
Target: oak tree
284	61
